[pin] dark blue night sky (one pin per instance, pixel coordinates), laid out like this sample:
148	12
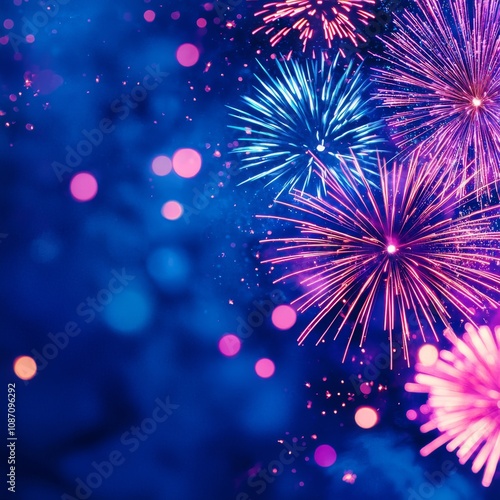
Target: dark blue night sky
122	301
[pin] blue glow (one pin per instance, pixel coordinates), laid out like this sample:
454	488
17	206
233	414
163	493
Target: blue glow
130	311
169	268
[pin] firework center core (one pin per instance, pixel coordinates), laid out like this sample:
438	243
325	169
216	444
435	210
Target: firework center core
320	147
476	102
391	249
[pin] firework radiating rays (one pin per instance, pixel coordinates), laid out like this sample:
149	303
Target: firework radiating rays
310	108
464	397
331	19
443	84
402	243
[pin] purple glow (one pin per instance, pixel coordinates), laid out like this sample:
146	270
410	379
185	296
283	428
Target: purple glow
325	455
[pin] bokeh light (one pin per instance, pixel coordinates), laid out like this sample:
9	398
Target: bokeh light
365	388
172	210
366	417
425	409
187	55
161	165
229	345
169	268
264	368
25	367
128	312
45	248
149	16
136	312
411	414
428	355
325	455
284	317
186	162
349	477
83	187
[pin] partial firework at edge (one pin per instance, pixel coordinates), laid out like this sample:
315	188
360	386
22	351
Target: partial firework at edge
464	397
404	242
443	85
333	19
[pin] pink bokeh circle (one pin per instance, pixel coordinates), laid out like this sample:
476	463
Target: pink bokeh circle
284	317
325	455
229	345
186	162
172	210
187	55
264	368
83	187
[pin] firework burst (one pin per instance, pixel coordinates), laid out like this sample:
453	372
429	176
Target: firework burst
402	243
464	397
444	84
310	108
334	19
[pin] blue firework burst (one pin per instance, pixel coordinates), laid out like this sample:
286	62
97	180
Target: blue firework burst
316	107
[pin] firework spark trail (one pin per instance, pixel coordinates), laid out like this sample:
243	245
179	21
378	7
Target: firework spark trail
399	242
464	396
309	108
333	18
444	84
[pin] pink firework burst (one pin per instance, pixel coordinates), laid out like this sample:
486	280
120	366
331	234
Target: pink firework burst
443	84
332	18
407	245
464	397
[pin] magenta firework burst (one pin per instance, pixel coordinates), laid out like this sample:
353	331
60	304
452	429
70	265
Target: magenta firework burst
443	84
330	19
464	397
408	245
